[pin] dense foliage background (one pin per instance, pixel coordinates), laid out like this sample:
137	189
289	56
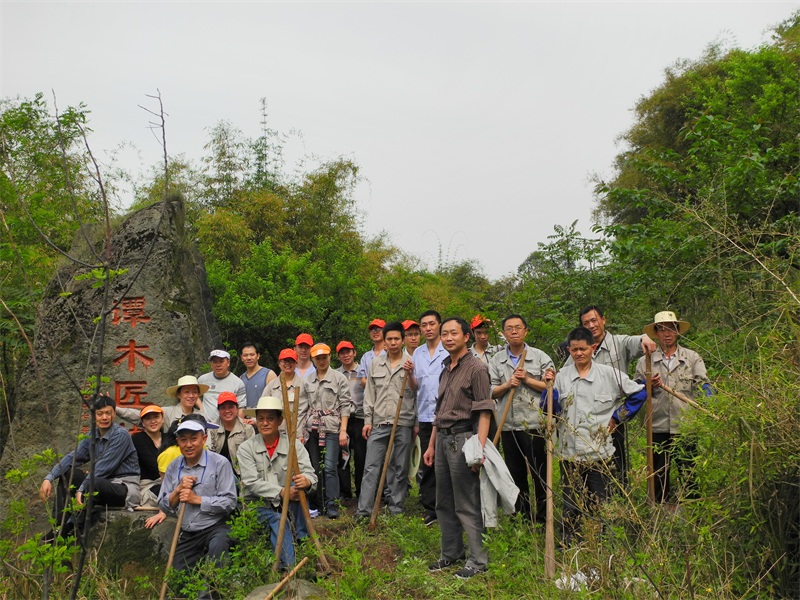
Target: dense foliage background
702	216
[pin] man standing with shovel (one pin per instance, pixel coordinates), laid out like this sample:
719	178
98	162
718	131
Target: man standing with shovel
381	396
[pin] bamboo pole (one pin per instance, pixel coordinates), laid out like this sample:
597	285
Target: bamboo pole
651	482
287	486
286	579
688	401
549	530
377	506
172	548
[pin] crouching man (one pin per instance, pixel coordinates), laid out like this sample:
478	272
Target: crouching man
263	461
204	482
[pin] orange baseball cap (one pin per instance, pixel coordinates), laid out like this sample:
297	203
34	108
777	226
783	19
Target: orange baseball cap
344	344
288	353
319	349
304	338
150	409
376	323
409	323
227	397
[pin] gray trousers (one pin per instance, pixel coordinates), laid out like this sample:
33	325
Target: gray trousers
458	501
396	475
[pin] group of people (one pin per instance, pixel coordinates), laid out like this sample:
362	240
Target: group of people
228	437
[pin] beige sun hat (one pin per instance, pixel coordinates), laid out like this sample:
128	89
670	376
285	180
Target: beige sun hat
172	391
416	458
265	403
665	316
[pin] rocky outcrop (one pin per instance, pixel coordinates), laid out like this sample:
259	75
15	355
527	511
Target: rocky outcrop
158	326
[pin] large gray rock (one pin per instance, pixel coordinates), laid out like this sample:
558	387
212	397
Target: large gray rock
161	328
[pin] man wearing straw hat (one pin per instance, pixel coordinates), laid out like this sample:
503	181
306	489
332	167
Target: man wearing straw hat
264	460
381	396
203	481
683	371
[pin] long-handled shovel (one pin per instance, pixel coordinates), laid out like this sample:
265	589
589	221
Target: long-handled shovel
287	486
294	466
549	527
688	401
377	507
651	482
172	548
508	404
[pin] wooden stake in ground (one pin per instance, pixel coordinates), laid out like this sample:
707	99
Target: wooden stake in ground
294	466
172	548
286	579
549	528
376	508
508	404
651	482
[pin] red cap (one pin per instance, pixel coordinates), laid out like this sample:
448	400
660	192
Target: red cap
409	323
227	397
344	344
288	353
304	338
376	323
477	321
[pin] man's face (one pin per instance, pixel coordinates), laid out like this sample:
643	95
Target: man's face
581	352
303	351
481	334
375	334
347	356
322	361
250	357
594	323
104	417
454	339
393	341
412	337
268	422
188	395
514	331
667	334
191	444
287	365
152	422
430	328
228	411
220	366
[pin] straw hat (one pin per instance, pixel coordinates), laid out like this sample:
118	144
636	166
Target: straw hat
416	458
172	391
265	403
665	316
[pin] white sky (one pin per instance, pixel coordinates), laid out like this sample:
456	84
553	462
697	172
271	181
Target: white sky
476	125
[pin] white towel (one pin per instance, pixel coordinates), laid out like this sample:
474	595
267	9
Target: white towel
496	480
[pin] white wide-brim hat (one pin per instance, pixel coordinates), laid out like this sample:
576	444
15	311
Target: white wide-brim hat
665	316
265	403
172	391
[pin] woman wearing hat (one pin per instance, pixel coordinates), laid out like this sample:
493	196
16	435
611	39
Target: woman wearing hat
684	371
148	444
189	394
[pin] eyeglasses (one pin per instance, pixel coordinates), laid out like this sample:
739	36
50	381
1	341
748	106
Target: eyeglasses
514	328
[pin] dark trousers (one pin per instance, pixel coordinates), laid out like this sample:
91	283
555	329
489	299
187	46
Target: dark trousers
620	454
665	451
327	493
358	454
426	475
584	485
106	494
212	542
526	452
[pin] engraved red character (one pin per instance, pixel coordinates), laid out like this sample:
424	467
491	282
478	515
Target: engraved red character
129	392
130	310
132	353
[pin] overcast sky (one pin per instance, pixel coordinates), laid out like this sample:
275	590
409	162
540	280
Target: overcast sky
476	125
